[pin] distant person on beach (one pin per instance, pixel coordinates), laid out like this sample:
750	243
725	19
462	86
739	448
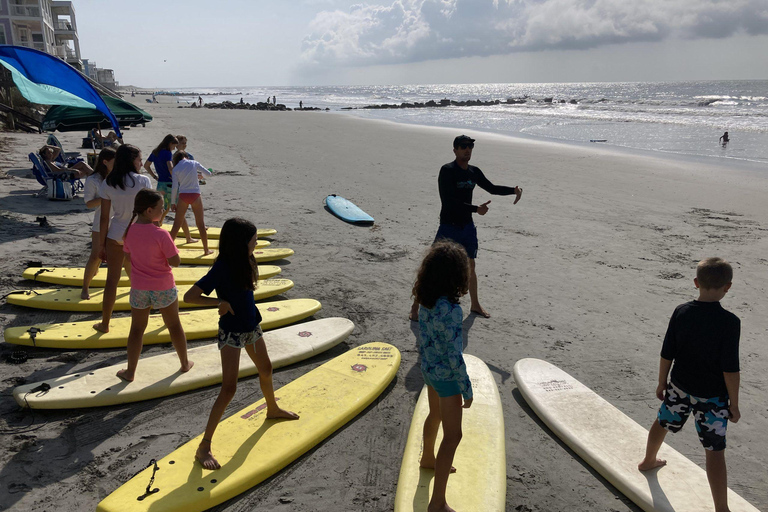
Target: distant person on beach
301	105
152	253
186	187
456	182
234	276
274	100
267	100
442	279
77	170
702	341
241	100
200	101
104	163
117	192
724	139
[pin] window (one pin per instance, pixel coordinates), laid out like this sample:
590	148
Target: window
2	35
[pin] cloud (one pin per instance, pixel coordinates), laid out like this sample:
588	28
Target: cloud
417	30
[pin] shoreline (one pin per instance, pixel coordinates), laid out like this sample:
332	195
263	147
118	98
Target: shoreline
584	272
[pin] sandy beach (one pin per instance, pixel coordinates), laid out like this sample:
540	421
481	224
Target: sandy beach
583	272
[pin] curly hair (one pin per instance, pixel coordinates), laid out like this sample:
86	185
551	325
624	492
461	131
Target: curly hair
443	273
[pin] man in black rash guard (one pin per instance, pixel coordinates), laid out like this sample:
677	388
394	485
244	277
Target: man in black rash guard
456	183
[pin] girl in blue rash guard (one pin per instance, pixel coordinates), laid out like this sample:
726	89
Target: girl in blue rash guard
442	279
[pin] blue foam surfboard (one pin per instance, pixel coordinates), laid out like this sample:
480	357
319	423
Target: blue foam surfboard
346	210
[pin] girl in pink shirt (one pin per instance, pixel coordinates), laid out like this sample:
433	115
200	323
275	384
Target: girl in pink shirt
151	252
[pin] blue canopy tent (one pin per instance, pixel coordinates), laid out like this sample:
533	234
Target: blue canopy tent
48	80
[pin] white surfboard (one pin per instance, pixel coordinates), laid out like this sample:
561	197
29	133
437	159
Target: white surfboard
159	375
480	481
613	444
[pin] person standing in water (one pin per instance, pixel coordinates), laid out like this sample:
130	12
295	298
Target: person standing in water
724	139
456	183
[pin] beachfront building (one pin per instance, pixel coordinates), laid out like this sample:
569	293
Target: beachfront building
46	25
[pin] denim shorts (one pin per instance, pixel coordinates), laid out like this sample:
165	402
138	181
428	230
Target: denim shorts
711	415
238	339
143	299
465	235
444	388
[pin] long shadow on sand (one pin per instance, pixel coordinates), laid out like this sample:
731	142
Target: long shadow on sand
619	495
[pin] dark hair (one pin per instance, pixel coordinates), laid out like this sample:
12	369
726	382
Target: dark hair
179	156
443	273
233	251
124	157
105	155
145	198
714	273
165	144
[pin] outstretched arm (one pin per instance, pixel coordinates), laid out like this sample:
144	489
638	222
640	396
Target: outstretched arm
497	190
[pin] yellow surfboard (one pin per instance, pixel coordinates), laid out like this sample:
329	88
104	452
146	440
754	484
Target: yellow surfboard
73	276
68	299
214	244
196	257
480	481
215	233
198	324
251	448
159	376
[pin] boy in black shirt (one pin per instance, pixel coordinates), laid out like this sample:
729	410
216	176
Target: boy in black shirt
703	341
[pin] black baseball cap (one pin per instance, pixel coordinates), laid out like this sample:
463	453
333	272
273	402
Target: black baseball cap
462	139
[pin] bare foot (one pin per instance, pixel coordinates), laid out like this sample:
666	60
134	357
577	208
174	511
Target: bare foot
85	294
191	240
479	310
206	253
647	466
431	465
185	369
206	458
101	327
282	414
123	374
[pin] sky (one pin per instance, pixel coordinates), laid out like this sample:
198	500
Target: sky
231	43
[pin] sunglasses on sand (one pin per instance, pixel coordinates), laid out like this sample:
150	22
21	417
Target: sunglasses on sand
465	146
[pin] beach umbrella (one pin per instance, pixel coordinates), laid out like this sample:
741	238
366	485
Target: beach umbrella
48	80
68	119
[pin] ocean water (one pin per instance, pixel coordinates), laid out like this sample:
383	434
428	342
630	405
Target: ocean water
683	118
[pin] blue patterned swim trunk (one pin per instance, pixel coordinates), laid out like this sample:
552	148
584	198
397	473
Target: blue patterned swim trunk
143	299
238	339
711	415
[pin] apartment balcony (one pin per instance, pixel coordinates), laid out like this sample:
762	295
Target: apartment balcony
28	11
31	44
64	52
63	26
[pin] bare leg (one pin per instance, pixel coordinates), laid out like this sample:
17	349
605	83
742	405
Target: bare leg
431	426
181	210
178	338
717	474
92	266
258	354
475	307
139	319
450	415
655	439
197	209
230	366
115	260
185	229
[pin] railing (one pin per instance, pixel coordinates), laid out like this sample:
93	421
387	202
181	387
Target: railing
63	25
32	44
64	52
25	10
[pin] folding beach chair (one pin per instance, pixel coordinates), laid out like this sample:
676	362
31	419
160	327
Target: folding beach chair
67	158
43	176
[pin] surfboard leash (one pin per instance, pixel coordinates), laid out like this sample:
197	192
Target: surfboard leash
41	271
25	292
149	491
